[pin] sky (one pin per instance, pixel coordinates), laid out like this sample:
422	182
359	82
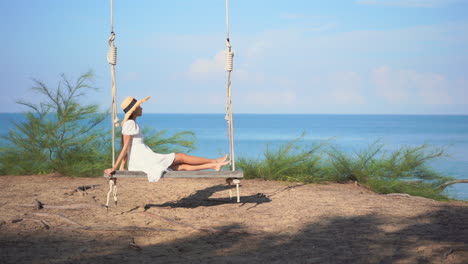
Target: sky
296	56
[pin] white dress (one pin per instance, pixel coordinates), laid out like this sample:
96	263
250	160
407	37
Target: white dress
141	157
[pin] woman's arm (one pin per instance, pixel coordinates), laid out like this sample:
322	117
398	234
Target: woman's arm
124	162
127	143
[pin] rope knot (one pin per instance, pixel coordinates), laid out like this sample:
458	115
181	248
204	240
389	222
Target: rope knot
111	39
112	53
229	56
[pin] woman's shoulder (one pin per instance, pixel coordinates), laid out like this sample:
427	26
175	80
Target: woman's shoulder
130	127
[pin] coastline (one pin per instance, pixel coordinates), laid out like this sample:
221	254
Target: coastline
255	132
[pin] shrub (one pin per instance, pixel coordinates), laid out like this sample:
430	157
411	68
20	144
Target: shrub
405	170
289	162
158	141
62	135
59	134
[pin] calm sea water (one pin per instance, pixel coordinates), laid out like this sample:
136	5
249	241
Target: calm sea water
350	132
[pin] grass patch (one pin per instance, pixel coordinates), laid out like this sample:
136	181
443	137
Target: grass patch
287	163
405	170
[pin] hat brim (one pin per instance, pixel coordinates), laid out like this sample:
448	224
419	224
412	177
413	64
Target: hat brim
137	104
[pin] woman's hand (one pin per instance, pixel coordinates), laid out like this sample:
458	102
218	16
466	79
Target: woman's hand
109	171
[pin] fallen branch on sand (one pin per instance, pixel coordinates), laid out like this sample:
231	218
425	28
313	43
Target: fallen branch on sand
448	183
134	245
86	187
45	224
453	250
169	220
398	194
285	189
40	205
94	228
116	228
66	219
82	189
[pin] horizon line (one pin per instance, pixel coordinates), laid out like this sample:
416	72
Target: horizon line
252	113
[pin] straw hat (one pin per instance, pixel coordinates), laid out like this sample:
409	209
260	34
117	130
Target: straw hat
130	104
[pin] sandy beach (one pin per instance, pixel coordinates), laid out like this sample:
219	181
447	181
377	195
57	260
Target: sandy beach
194	221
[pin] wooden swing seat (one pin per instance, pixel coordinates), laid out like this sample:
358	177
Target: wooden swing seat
180	174
232	177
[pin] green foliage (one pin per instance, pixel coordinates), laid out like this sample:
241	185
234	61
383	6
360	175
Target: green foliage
289	162
59	134
357	168
62	135
405	170
402	171
159	142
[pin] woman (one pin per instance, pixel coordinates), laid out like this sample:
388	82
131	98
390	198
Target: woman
141	158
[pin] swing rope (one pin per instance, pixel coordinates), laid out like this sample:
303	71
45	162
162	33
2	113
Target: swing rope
112	59
233	176
228	68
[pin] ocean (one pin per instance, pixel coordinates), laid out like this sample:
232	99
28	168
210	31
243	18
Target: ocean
352	133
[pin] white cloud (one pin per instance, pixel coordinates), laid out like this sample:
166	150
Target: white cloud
346	88
259	49
208	68
249	76
391	85
461	91
408	3
343	88
433	88
403	86
271	73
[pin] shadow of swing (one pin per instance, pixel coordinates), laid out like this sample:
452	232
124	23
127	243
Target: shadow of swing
202	198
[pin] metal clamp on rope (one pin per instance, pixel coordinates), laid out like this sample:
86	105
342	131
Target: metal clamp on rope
112	54
229	56
111	38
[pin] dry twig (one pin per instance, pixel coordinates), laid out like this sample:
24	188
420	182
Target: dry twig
116	228
62	207
452	250
64	218
169	220
285	189
44	223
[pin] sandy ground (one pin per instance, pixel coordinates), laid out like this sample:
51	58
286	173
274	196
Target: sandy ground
194	221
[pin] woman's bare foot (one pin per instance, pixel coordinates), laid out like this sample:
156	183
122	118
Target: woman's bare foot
222	159
219	165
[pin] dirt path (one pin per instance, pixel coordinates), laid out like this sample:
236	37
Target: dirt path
193	221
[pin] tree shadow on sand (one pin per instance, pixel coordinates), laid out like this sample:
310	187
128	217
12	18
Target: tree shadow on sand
202	198
438	237
429	238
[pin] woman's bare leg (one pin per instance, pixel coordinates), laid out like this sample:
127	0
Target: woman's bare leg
181	158
206	166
